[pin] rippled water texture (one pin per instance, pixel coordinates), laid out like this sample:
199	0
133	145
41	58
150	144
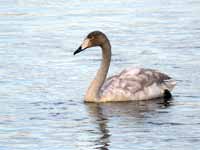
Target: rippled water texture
42	84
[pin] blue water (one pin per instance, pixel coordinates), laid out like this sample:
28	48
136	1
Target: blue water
42	84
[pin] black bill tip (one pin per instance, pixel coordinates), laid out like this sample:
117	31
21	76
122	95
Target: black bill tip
78	50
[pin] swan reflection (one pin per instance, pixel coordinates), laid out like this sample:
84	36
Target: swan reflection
127	114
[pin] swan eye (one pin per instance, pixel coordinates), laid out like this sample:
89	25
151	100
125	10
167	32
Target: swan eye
91	37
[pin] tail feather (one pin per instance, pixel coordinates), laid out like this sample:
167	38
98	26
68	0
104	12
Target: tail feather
169	84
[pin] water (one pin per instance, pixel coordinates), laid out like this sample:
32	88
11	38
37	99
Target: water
42	84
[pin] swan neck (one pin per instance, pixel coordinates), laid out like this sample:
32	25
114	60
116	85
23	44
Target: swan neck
93	93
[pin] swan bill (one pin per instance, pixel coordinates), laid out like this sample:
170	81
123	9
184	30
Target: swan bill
86	44
78	50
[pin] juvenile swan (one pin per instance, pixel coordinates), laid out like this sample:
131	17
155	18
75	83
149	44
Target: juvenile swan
130	84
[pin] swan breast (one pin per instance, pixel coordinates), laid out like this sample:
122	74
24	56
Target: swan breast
136	84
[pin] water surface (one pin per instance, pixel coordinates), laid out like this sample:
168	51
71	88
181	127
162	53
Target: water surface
42	84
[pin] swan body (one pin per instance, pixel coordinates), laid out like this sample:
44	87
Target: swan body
130	84
136	84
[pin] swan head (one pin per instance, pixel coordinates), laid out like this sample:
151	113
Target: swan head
95	38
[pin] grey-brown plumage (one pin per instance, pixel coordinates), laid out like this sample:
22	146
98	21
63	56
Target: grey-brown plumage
137	84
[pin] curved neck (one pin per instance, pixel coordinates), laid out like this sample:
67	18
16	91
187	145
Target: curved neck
93	92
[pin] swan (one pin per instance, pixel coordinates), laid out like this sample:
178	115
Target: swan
129	85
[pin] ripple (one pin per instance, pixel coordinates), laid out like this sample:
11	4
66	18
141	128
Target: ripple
166	123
